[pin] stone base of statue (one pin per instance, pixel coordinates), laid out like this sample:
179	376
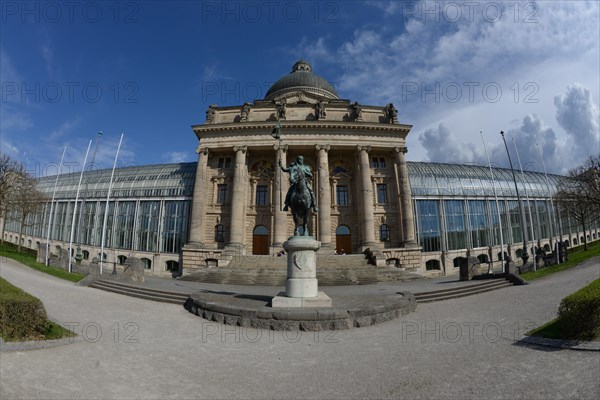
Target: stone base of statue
301	287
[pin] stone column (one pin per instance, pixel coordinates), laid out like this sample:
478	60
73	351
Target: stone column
281	188
198	222
407	220
324	196
366	187
238	200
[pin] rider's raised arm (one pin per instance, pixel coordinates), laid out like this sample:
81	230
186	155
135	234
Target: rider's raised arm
284	169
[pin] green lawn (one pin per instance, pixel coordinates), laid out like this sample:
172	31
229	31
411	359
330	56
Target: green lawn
577	257
23	317
578	316
27	257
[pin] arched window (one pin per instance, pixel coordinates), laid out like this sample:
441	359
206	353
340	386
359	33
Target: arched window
147	263
122	259
172	265
102	256
500	256
483	258
546	247
566	243
58	250
29	242
519	252
392	262
384	233
86	255
432	265
457	261
575	241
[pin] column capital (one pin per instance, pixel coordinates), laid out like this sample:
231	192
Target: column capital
366	148
325	147
283	147
243	148
202	150
401	149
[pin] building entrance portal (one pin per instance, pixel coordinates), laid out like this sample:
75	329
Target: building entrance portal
343	240
260	240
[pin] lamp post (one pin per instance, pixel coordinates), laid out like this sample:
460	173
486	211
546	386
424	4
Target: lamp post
525	255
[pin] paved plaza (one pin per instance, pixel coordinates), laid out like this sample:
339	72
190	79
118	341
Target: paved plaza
463	348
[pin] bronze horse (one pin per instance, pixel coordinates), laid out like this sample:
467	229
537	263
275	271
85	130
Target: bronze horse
300	203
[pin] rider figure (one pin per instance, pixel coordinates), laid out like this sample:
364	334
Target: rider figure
294	169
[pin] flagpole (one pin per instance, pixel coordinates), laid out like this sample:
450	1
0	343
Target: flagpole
84	200
52	204
75	206
524	256
112	175
552	216
497	204
528	204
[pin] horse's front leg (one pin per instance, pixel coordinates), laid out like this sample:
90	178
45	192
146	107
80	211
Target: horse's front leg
296	233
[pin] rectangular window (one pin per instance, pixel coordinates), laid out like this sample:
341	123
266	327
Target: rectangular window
261	195
478	223
219	233
147	227
342	195
515	221
428	222
382	193
174	226
124	225
378	162
455	224
221	194
224	162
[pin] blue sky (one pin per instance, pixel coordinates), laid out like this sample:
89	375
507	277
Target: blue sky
151	68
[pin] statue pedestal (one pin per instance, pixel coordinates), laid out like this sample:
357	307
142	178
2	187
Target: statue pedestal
301	287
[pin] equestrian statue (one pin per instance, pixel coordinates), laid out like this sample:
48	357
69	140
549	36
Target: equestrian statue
300	196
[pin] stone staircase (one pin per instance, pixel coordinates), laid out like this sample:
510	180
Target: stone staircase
445	294
180	298
332	270
141	292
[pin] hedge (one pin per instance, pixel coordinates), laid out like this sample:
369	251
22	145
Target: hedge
581	312
22	316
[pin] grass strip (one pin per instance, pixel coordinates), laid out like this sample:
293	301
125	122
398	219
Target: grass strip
23	316
577	257
578	316
27	257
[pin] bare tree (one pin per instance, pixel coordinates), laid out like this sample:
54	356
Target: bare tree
11	175
580	195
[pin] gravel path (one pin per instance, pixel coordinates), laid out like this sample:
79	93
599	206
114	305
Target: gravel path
455	349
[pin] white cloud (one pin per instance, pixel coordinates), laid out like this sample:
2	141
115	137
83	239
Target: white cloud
64	128
531	60
177	156
48	55
578	115
442	145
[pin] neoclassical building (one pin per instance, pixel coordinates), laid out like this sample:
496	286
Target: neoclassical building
422	217
357	154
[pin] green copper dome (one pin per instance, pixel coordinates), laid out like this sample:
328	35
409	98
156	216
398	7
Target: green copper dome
302	78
